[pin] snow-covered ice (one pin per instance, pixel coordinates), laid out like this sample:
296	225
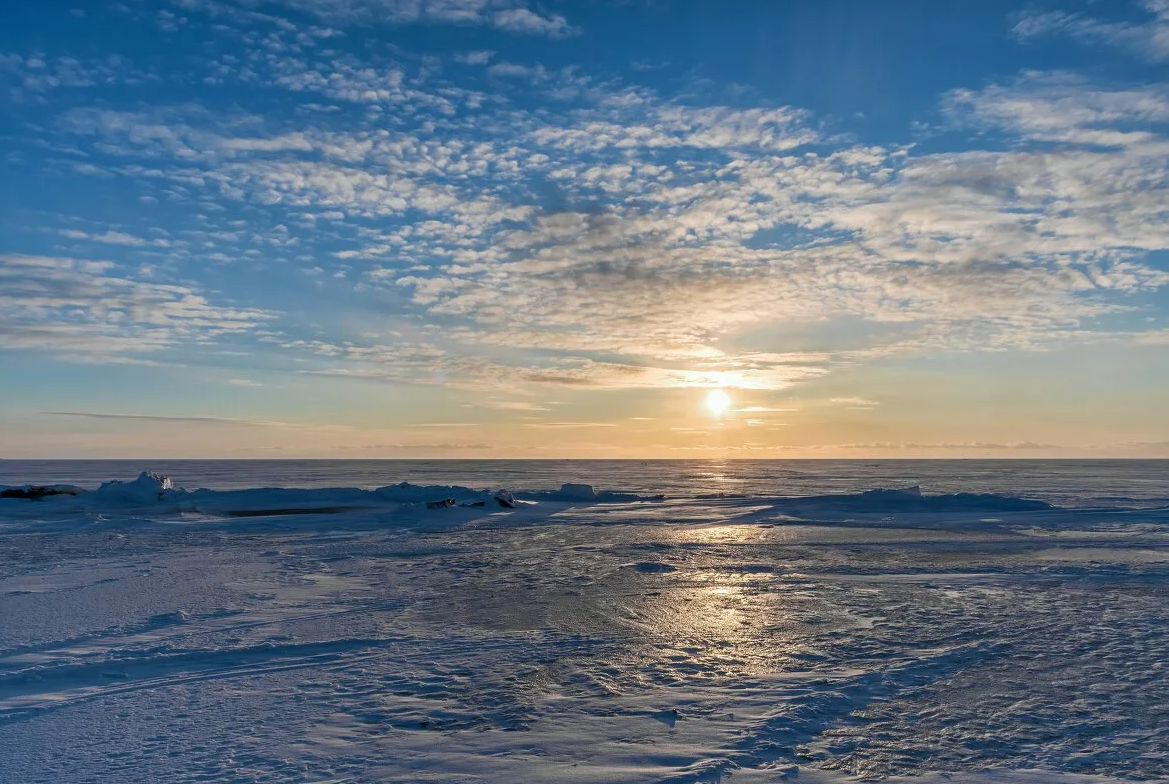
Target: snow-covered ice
150	633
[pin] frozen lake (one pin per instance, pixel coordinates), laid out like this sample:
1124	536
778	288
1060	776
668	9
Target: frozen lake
356	636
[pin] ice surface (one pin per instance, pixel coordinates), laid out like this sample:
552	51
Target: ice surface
151	633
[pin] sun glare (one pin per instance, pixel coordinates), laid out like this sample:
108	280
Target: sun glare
718	402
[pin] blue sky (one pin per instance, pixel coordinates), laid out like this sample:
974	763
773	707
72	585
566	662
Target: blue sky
500	228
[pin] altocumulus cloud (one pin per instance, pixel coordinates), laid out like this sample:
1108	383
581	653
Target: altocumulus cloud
86	310
552	227
511	16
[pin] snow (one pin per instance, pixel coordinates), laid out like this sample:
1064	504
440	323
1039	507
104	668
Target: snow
152	633
576	492
148	488
912	500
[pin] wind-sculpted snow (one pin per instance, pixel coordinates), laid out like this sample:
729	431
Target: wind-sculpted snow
444	633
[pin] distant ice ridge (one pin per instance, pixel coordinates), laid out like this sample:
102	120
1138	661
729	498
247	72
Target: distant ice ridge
155	499
911	499
159	493
150	488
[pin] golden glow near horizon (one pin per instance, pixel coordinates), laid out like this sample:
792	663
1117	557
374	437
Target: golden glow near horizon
718	402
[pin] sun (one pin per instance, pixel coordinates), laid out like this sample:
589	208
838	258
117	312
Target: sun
718	402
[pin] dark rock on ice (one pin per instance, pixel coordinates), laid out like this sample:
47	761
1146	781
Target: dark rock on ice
33	492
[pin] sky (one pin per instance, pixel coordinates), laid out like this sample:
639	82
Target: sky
546	229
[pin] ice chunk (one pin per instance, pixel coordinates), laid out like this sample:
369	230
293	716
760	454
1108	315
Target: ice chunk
582	493
148	488
575	492
905	492
406	493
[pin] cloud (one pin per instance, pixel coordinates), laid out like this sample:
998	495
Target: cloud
477	57
854	402
1061	107
1149	38
1158	337
512	405
446	424
621	238
977	446
514	18
429	447
1158	446
567	425
115	238
81	310
32	77
524	20
199	420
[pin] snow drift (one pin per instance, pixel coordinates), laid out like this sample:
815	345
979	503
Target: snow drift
911	499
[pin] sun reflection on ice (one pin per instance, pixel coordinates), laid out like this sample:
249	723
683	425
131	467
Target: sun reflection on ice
727	611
